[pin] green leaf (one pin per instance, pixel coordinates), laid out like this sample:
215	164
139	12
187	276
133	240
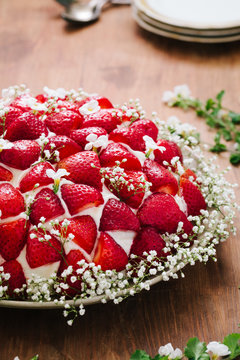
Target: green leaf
196	350
227	134
200	113
233	343
220	96
234	117
237	137
218	148
159	357
235	158
210	121
209	104
36	357
140	355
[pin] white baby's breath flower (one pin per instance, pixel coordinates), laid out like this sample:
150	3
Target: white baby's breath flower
95	142
5	144
58	93
217	349
89	108
168	350
182	90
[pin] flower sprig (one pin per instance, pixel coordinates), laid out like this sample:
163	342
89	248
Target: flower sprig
229	349
217	116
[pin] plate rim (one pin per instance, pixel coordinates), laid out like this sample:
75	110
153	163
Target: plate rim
143	6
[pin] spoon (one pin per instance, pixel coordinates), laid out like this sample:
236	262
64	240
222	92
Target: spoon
85	12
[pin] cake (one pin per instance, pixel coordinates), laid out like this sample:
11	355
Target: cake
93	196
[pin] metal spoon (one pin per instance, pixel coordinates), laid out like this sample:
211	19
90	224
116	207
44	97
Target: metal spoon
84	12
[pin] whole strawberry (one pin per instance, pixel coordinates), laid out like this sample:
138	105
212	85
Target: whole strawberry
63	122
171	151
117	152
11	201
17	278
80	135
64	145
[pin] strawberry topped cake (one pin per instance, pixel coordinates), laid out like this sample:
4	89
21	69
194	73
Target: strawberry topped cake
96	199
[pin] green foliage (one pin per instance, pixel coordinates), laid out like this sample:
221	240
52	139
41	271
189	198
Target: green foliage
233	343
217	117
196	350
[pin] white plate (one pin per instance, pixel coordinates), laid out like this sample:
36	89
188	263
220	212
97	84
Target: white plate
196	14
183	37
187	31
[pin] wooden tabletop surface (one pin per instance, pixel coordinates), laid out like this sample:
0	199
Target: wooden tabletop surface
114	57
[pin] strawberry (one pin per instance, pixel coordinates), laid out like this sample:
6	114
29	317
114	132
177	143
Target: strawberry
84	230
117	215
67	105
129	186
21	101
72	259
81	170
189	174
172	150
80	135
11	201
5	174
42	98
12	114
192	196
36	175
133	136
109	255
162	179
161	211
41	251
146	240
117	152
79	197
21	155
102	118
103	102
63	122
46	204
17	277
26	127
64	145
13	238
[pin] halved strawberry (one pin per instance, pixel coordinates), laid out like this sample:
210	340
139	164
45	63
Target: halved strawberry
103	102
64	145
83	168
102	118
41	251
72	259
46	204
162	179
5	174
17	277
63	122
36	175
133	136
11	201
13	238
109	254
26	127
117	152
12	114
84	230
146	240
160	210
171	150
79	197
117	215
192	196
21	155
128	186
80	135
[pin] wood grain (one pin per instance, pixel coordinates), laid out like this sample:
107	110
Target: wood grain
116	58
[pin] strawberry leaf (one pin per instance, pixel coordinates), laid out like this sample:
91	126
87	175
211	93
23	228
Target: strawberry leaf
232	341
140	355
196	350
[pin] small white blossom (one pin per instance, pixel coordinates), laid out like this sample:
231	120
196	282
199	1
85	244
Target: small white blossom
151	146
168	350
89	108
56	175
218	349
95	142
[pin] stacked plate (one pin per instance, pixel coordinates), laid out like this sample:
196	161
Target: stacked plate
204	21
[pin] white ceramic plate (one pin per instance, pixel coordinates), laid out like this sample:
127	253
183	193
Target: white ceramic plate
181	36
196	14
187	31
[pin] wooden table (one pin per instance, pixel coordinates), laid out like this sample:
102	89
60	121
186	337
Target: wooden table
116	58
